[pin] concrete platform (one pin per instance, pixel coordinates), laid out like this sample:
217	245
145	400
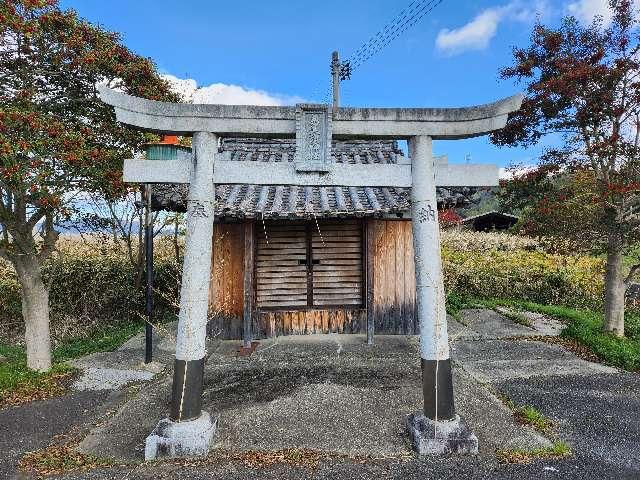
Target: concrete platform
124	366
322	392
497	360
488	324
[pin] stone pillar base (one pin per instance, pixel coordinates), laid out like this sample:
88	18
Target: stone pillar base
180	439
441	438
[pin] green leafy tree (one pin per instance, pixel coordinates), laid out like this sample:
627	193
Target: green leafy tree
583	86
56	138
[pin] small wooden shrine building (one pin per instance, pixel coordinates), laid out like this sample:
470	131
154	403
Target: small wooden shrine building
303	259
490	221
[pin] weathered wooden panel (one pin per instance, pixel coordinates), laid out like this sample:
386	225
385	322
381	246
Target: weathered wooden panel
282	291
394	287
304	264
306	322
281	270
248	283
226	289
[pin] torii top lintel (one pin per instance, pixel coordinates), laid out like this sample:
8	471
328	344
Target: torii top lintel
280	122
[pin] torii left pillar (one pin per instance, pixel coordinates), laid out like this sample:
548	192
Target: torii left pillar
188	430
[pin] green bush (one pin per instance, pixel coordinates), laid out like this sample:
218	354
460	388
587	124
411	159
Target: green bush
10	303
93	282
528	275
620	352
89	293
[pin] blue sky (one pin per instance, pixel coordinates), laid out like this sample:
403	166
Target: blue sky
279	51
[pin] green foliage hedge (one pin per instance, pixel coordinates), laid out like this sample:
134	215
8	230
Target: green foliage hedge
89	292
94	288
10	304
527	275
500	265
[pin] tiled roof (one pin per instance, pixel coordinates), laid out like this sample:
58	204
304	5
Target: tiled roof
279	201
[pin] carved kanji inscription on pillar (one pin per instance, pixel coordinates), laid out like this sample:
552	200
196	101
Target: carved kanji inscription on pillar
426	214
197	209
313	138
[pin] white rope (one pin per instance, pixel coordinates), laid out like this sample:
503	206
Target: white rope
264	227
435	420
318	227
439	305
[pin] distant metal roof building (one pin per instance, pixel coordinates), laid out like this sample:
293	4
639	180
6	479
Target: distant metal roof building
299	202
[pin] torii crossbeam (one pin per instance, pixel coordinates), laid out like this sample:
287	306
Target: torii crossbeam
189	430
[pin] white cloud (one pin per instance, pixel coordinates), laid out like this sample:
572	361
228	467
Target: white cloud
587	10
475	35
478	33
221	93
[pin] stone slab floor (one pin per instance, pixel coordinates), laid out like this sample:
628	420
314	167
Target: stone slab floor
335	394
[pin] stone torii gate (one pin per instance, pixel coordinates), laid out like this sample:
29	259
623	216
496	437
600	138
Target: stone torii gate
189	430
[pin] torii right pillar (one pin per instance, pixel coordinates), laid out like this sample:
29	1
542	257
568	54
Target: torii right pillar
437	429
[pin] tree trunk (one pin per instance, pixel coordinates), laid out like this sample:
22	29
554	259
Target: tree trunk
615	289
35	311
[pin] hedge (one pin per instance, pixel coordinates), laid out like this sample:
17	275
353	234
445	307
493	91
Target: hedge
95	287
532	276
89	292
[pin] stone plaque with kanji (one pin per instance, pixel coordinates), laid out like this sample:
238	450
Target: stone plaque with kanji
313	138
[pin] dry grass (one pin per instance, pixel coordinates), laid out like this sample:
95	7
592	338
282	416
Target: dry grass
293	457
95	245
104	245
466	240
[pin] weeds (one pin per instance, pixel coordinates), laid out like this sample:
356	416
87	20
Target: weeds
516	317
531	416
521	456
528	415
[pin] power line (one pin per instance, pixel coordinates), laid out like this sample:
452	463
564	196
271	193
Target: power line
393	32
409	16
381	32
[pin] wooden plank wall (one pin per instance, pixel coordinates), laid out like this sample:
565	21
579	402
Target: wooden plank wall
393	290
304	322
226	290
394	285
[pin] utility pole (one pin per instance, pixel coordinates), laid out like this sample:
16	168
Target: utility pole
148	239
335	71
